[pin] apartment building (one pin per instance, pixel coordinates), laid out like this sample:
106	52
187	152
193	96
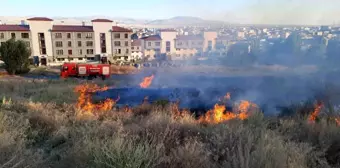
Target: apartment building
121	40
73	43
151	45
137	50
188	46
209	41
19	32
168	41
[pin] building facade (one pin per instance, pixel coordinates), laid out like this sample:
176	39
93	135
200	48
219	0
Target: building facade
80	43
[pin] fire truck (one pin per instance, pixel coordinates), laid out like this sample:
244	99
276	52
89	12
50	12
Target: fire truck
85	70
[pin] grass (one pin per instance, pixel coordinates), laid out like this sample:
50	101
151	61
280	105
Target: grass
38	128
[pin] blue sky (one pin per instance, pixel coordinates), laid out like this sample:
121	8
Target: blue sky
243	11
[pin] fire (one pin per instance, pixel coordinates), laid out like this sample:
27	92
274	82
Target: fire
3	74
315	113
337	120
219	113
85	99
146	82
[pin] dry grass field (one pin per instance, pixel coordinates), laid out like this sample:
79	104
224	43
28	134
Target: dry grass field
41	126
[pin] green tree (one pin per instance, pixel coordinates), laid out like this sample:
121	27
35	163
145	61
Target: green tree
15	54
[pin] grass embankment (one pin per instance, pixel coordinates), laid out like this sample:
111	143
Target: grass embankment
38	128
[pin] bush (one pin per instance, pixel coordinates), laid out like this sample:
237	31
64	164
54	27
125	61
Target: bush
15	54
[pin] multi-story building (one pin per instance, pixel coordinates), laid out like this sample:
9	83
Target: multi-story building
136	50
151	45
20	32
168	42
121	40
73	43
78	43
188	46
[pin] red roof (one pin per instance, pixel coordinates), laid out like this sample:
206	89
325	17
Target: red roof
40	19
71	28
136	42
120	29
152	38
14	28
189	37
101	20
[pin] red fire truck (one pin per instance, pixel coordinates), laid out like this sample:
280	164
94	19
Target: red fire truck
85	70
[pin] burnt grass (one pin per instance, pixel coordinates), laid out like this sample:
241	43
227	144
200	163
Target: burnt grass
39	128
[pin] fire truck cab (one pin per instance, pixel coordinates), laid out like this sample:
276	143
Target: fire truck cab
85	70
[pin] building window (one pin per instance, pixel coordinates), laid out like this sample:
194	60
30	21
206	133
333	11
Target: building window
58	35
68	35
80	59
60	52
89	51
117	43
167	44
79	43
43	51
126	35
117	35
132	48
126	43
69	52
157	44
137	48
103	50
149	44
79	35
2	35
13	35
88	35
127	51
80	52
25	35
69	43
89	43
179	43
118	51
59	44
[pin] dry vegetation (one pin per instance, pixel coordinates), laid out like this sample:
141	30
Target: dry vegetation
39	128
118	70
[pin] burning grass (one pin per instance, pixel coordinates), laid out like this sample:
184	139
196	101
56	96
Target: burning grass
40	127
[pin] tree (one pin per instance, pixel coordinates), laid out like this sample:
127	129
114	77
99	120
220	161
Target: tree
15	54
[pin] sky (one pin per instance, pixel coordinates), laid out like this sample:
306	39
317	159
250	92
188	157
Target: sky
235	11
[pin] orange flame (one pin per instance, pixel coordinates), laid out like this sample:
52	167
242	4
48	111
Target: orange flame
337	120
85	99
315	113
219	113
146	82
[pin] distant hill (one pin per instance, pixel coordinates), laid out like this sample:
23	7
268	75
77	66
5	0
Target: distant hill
123	21
183	21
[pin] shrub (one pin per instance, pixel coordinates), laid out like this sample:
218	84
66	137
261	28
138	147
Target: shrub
15	54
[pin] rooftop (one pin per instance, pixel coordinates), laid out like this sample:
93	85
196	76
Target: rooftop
39	19
189	37
152	38
136	42
168	30
101	20
14	28
120	29
71	28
